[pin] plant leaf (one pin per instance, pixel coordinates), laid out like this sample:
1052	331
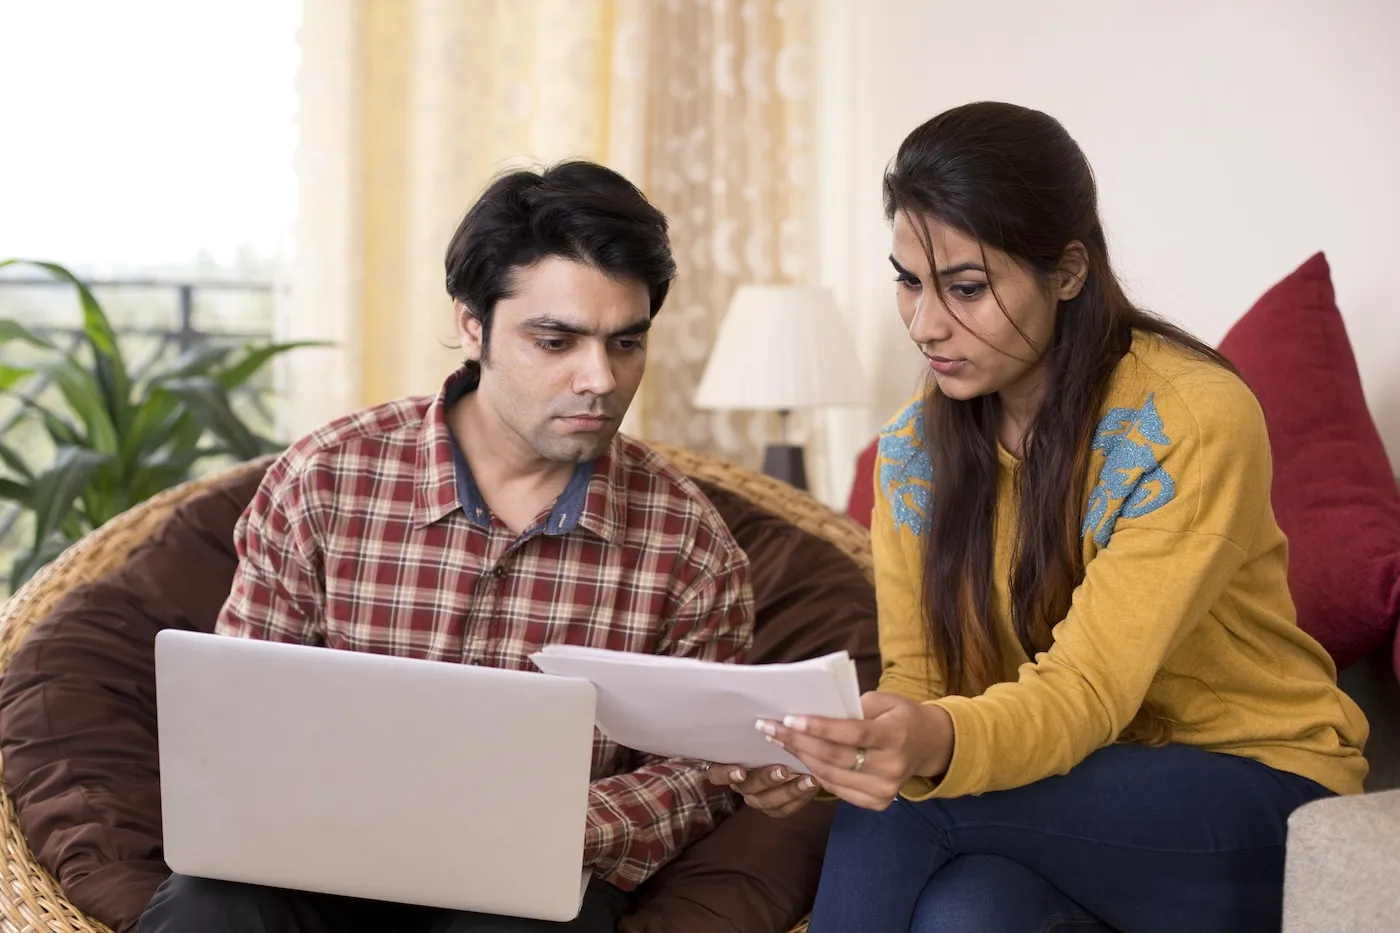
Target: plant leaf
55	491
74	527
157	476
255	358
188	431
84	396
96	328
32	561
61	431
13	330
209	404
14	492
11	376
107	494
170	467
14	461
144	371
196	361
151	427
185	434
112	379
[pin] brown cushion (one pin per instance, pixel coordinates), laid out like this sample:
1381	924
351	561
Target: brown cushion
755	874
78	723
78	709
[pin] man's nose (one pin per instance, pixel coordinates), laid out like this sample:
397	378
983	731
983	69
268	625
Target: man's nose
594	375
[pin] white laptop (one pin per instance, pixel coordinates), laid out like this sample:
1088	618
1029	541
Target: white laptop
419	782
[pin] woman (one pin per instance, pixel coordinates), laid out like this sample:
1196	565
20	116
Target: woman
1097	709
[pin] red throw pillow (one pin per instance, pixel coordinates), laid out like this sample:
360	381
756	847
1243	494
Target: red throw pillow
1334	494
861	501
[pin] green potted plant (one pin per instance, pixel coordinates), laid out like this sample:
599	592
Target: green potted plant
119	438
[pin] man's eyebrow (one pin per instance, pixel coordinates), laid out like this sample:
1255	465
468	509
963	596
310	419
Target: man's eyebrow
635	329
555	325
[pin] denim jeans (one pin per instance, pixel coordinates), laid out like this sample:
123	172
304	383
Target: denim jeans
1132	840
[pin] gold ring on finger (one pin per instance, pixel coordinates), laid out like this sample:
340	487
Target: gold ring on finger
860	760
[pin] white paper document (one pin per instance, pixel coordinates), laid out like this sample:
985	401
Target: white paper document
684	708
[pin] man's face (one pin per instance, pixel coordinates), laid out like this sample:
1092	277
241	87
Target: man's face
566	355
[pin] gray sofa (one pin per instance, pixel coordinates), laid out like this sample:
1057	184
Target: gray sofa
1343	864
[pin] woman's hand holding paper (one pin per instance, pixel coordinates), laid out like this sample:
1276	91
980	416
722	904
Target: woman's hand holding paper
866	761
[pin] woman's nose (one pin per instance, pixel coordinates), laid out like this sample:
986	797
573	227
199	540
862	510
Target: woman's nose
931	321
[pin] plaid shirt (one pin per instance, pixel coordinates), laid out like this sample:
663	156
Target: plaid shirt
371	535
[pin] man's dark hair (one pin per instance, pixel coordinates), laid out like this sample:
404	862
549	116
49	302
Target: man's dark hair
576	210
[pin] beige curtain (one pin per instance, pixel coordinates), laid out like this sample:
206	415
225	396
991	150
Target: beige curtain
408	107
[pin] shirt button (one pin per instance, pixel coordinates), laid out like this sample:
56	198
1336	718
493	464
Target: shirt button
499	571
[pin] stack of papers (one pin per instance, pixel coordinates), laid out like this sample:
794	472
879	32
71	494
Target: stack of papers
684	708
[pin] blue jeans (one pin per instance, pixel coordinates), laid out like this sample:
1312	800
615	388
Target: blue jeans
1133	840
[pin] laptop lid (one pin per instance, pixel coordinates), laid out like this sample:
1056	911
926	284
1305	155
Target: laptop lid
372	776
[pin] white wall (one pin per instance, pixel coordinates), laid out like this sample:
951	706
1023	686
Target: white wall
1231	140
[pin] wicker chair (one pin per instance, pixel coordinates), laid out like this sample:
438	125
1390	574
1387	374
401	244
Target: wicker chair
30	899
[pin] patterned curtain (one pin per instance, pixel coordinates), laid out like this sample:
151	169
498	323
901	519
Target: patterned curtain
728	132
409	107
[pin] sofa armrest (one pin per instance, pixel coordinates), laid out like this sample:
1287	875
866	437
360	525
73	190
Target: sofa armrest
1343	865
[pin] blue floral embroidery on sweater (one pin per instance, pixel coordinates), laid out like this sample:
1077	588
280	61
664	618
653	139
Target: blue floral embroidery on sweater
1132	483
906	473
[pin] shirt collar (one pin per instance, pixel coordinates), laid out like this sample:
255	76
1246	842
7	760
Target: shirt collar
591	500
605	498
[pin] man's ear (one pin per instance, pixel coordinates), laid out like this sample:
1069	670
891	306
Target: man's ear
1073	270
468	330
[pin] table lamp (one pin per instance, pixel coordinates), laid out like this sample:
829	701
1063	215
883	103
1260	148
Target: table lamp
781	348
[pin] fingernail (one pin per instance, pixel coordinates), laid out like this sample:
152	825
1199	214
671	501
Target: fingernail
775	741
737	776
795	723
766	727
808	783
779	774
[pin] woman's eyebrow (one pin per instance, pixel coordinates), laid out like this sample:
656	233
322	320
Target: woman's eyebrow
961	267
942	273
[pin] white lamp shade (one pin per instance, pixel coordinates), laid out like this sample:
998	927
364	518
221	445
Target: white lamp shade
781	348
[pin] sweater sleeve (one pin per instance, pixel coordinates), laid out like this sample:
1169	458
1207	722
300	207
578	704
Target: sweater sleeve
1180	494
908	667
903	494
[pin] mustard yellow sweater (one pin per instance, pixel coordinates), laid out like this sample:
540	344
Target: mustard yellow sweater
1184	602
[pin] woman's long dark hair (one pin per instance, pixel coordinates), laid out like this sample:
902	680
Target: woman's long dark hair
1014	179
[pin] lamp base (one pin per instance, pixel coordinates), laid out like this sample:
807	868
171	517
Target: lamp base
785	462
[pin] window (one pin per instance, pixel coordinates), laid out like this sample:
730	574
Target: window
148	146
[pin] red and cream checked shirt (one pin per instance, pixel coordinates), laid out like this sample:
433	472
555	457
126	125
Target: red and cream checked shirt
370	535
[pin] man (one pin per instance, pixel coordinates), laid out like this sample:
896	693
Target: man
503	514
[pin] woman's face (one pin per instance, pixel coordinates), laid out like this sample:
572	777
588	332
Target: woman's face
974	345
